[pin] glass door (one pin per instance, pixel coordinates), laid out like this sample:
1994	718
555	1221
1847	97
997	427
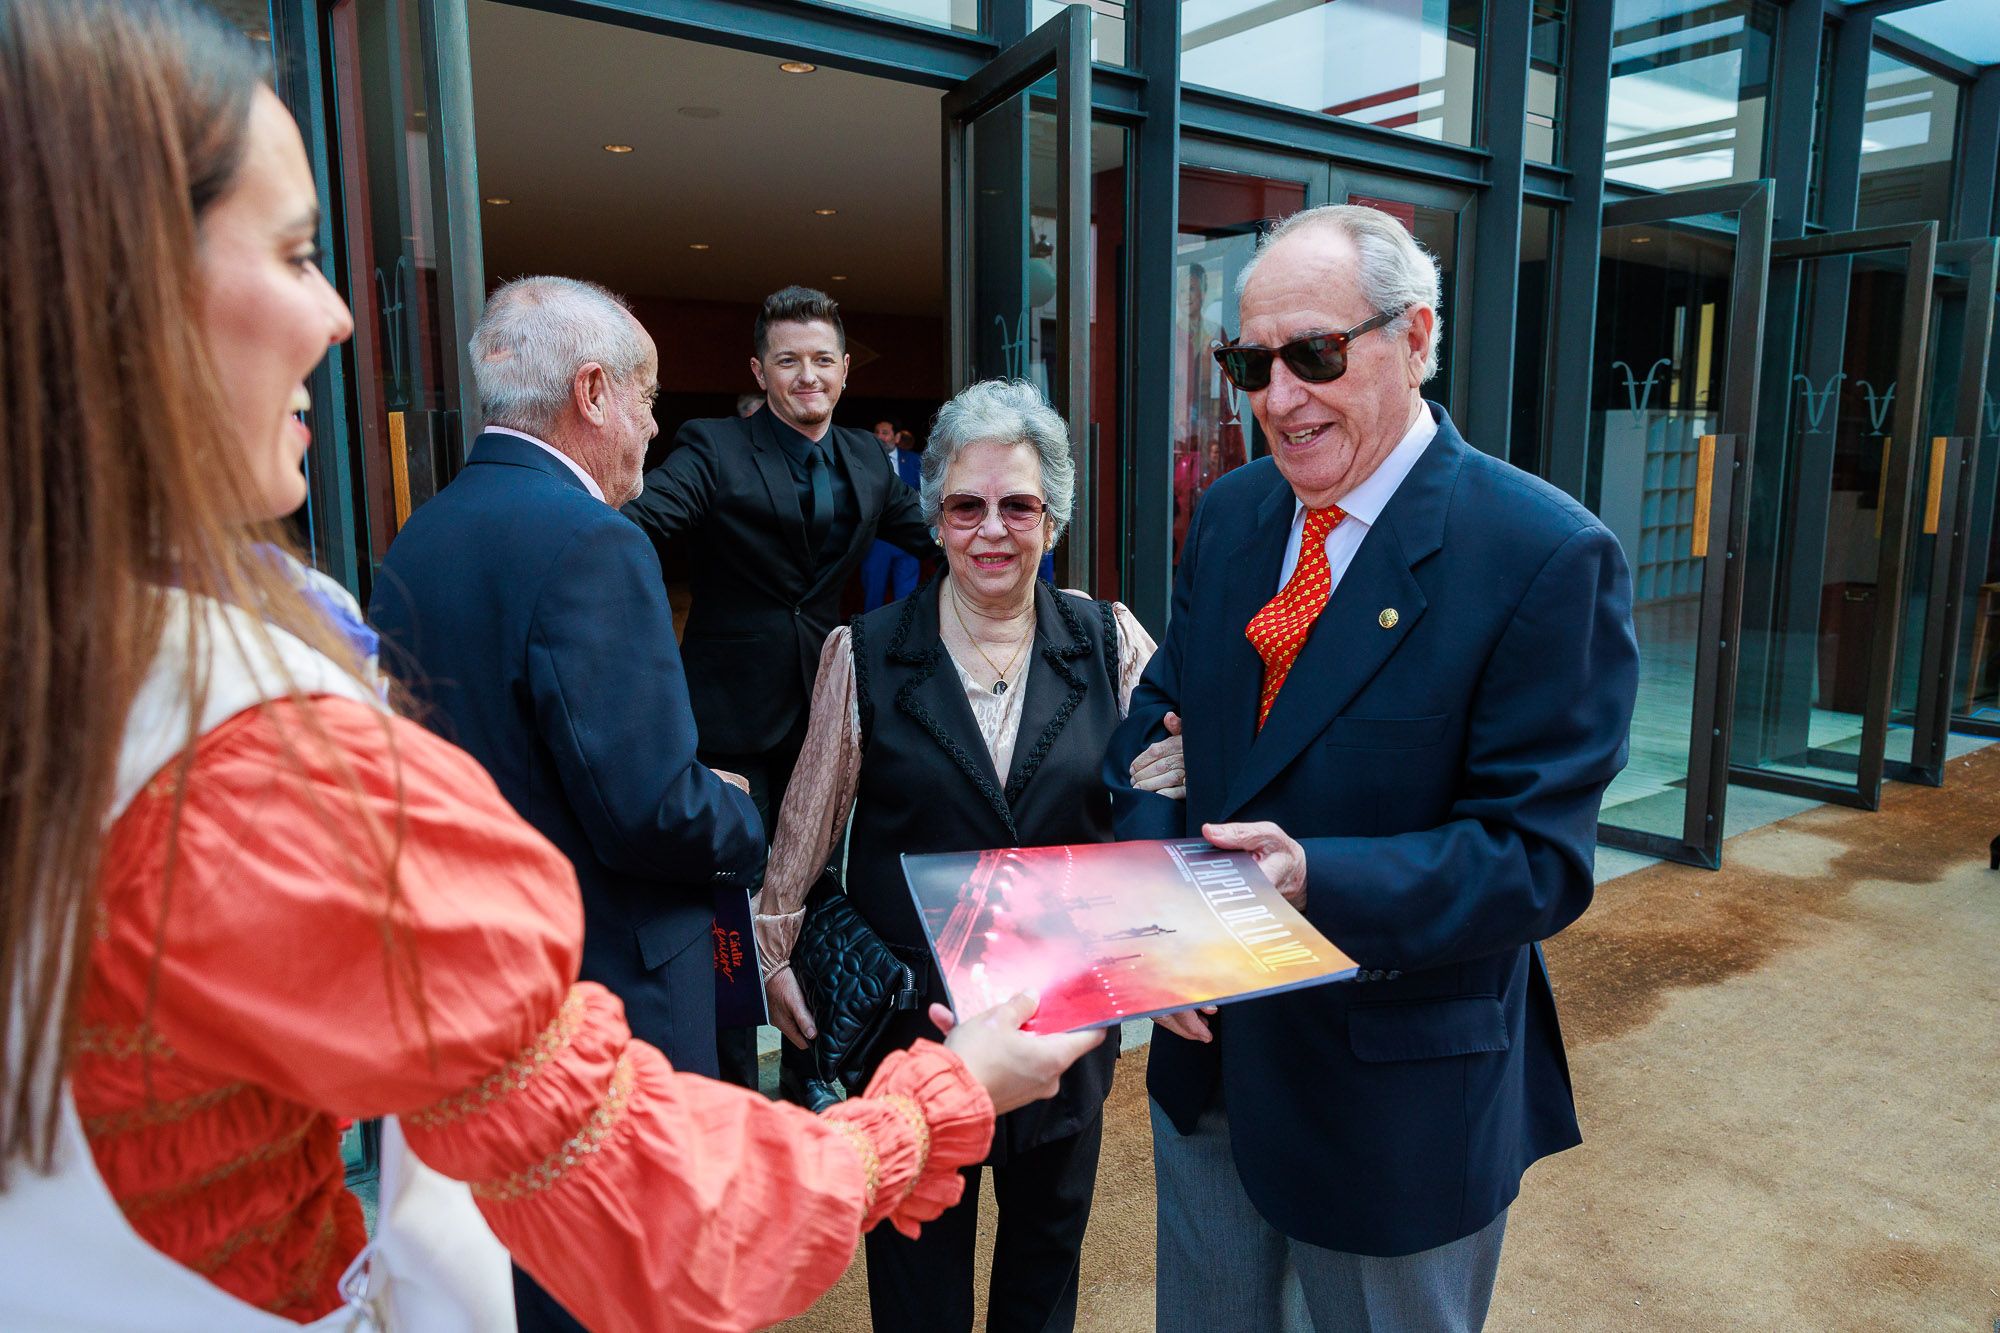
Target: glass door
1017	163
1955	382
1673	397
1229	198
1976	681
1828	559
409	251
1439	217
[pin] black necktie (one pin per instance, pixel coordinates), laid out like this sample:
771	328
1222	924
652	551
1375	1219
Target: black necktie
820	521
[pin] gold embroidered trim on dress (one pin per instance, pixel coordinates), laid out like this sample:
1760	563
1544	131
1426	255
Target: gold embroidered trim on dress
278	1147
513	1076
159	1113
920	1126
312	1272
864	1148
264	1233
582	1144
122	1043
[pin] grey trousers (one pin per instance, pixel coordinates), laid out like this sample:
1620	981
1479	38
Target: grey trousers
1222	1267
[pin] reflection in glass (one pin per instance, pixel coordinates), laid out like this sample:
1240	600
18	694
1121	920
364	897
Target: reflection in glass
1222	215
1906	142
958	15
1689	85
1548	42
1107	27
1814	564
1662	340
1410	65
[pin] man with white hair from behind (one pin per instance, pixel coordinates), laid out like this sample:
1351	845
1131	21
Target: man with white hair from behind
530	616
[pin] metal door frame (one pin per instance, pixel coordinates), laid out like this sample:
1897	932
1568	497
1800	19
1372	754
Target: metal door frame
1948	512
1060	47
1919	239
1700	843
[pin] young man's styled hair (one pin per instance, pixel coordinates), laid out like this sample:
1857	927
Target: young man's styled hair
798	305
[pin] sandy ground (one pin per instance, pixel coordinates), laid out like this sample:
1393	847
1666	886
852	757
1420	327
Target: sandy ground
1788	1073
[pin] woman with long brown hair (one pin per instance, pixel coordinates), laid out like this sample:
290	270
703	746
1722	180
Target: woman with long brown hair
242	899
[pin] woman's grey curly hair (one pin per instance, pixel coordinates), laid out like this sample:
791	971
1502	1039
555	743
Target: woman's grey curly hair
1001	412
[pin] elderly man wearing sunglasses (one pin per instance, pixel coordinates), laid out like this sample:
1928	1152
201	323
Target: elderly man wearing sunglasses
1401	673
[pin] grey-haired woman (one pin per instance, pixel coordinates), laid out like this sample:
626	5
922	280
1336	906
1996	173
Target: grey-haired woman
973	713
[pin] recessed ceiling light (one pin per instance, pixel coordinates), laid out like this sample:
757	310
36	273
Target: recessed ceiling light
697	245
498	201
840	277
699	112
618	148
1642	240
797	67
825	212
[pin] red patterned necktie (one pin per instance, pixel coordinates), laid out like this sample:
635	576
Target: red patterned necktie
1279	630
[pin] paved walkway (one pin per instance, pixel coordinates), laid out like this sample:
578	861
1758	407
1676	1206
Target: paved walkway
1789	1077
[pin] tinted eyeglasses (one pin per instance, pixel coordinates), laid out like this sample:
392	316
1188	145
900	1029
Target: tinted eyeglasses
1320	359
1019	512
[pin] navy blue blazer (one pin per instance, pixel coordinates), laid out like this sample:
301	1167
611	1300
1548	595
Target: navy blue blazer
531	619
1442	767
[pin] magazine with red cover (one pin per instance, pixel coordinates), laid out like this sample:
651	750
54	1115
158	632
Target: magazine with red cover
1107	932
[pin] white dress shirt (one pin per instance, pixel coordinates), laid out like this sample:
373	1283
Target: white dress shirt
1363	505
589	482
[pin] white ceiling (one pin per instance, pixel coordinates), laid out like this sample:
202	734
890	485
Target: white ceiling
1969	29
549	91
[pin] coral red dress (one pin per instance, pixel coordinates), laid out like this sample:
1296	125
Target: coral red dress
250	990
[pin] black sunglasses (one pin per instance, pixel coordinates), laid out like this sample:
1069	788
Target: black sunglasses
1319	359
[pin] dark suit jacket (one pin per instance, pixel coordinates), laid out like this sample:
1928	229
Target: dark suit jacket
532	619
927	785
1443	775
763	605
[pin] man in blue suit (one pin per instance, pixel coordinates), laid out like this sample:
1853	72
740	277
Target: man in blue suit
529	614
889	573
1403	673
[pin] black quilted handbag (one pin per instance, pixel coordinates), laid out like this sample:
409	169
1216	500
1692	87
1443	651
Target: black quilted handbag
854	983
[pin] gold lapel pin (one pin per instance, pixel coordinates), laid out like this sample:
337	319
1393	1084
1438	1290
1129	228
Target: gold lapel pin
1388	618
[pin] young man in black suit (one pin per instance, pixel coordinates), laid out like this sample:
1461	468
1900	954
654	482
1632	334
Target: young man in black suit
781	507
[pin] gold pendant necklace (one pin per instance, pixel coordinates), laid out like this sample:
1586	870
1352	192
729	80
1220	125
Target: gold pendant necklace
1000	685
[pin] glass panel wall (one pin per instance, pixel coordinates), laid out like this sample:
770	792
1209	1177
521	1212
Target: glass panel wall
1410	65
1690	87
1548	47
957	15
1222	213
1108	28
1906	144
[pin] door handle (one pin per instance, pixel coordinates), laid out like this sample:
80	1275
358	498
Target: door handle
399	469
1704	495
1934	489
